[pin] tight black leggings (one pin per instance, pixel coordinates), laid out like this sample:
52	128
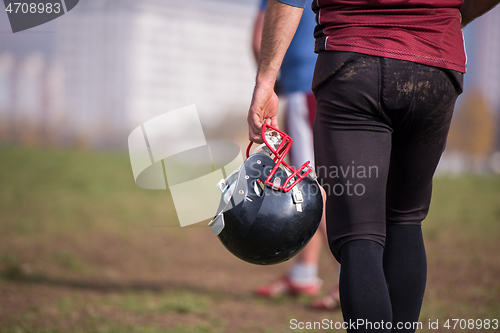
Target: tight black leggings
380	129
384	286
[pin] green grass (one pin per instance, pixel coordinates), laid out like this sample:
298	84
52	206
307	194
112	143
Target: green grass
83	249
68	189
466	207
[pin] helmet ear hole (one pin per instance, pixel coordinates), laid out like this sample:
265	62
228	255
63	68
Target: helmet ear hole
258	187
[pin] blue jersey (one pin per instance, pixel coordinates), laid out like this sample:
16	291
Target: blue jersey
297	68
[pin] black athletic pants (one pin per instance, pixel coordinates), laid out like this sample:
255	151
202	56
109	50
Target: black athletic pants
380	129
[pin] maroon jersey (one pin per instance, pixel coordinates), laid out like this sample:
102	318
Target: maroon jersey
422	31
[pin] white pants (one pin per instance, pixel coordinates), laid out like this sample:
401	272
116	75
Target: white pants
300	111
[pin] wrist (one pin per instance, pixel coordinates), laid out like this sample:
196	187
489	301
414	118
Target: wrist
265	81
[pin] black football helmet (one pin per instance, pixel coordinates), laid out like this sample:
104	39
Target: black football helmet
268	211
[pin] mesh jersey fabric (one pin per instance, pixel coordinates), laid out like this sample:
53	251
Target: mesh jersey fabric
422	31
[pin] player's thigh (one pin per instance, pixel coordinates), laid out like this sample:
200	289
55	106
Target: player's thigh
352	150
417	145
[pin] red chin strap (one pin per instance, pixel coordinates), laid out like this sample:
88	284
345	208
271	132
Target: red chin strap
280	153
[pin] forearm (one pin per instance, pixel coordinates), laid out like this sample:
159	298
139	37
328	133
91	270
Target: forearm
472	9
280	24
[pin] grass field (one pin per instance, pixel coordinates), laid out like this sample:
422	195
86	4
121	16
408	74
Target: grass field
83	249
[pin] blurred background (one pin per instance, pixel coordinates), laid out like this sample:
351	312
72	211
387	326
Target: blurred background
90	77
83	249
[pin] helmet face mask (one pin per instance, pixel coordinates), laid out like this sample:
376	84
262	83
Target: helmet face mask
278	143
262	219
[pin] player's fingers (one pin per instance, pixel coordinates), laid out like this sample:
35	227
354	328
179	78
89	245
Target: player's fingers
274	122
257	138
273	106
254	137
263	107
254	127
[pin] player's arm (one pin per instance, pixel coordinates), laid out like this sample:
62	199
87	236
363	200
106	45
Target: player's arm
280	23
472	9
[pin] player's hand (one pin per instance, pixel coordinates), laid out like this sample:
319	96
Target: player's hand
264	108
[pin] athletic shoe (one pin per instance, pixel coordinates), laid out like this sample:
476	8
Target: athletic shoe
330	301
285	286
